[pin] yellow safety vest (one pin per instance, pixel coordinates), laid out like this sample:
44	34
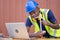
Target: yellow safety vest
51	31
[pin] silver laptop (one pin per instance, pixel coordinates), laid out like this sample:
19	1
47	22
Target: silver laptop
17	30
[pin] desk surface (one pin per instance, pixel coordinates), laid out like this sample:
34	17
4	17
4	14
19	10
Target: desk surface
31	39
39	39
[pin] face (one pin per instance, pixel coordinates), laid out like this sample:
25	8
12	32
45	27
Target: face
35	13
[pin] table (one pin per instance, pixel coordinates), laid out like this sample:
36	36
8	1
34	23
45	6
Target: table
39	39
27	39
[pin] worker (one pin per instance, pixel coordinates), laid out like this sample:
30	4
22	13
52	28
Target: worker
49	26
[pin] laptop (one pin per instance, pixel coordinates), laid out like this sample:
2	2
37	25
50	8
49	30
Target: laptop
17	30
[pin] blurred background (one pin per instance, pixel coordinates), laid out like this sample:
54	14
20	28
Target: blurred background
14	11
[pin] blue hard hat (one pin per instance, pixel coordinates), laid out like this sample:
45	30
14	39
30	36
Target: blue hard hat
31	5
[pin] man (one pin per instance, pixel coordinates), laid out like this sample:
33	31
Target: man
43	21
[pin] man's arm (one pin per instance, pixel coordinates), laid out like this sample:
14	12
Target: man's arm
28	25
31	34
55	25
53	21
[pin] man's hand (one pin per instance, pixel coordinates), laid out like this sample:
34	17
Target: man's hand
44	22
40	33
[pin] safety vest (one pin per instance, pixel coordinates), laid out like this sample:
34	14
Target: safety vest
51	31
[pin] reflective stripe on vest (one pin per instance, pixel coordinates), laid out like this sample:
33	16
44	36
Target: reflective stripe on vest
36	27
51	31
